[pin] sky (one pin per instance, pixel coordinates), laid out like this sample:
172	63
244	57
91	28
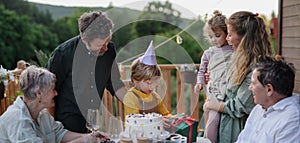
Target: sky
188	8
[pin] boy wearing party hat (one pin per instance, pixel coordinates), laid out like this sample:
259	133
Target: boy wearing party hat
145	76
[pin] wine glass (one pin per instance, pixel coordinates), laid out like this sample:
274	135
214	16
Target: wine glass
115	129
93	120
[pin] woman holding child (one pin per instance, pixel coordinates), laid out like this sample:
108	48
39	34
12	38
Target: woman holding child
249	38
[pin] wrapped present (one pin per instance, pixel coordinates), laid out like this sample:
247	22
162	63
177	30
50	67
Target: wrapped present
185	126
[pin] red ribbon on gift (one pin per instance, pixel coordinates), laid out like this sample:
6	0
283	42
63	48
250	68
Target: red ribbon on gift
186	119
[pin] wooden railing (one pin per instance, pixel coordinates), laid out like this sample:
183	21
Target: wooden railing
178	96
10	95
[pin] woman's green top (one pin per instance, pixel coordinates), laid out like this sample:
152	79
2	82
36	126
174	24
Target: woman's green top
238	104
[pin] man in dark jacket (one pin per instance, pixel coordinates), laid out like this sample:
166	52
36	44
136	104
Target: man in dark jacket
84	67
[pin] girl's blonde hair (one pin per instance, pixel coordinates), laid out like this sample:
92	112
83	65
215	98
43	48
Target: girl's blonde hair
253	47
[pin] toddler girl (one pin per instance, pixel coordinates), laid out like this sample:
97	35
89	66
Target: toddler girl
215	60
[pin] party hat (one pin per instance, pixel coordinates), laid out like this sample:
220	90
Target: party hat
149	57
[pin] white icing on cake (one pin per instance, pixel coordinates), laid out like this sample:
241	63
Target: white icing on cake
151	125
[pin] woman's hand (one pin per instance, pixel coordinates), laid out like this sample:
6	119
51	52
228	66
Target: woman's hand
205	109
90	138
100	135
212	105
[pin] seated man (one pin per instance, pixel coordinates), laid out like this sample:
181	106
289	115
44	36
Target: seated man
276	117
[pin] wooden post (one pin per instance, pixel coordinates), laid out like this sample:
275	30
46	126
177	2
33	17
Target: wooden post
105	111
167	97
120	111
180	93
2	105
194	99
11	93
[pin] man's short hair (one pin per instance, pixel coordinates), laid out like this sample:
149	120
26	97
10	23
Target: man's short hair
93	25
278	73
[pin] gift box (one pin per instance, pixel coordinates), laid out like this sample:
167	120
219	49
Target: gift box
185	126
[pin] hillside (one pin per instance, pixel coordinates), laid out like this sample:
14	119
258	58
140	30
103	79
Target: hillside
60	11
116	15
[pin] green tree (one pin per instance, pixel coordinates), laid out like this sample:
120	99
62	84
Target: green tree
20	37
22	8
123	31
67	27
64	28
157	18
197	43
189	44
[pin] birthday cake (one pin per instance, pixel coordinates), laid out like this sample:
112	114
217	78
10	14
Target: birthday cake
147	125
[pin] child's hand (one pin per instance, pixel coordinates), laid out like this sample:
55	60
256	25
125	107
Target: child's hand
206	77
167	121
198	87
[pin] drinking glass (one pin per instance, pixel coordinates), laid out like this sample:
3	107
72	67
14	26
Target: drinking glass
93	120
115	129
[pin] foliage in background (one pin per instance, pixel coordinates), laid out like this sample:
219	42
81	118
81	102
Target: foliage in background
123	31
31	28
67	27
157	11
160	19
42	58
20	37
24	8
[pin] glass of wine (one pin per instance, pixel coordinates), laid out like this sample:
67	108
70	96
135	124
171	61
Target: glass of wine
115	129
93	120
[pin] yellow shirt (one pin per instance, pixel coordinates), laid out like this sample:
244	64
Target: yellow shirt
132	105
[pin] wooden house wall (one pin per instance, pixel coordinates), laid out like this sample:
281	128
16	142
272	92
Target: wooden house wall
290	35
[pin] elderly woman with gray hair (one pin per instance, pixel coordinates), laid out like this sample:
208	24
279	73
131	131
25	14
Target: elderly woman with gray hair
28	120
